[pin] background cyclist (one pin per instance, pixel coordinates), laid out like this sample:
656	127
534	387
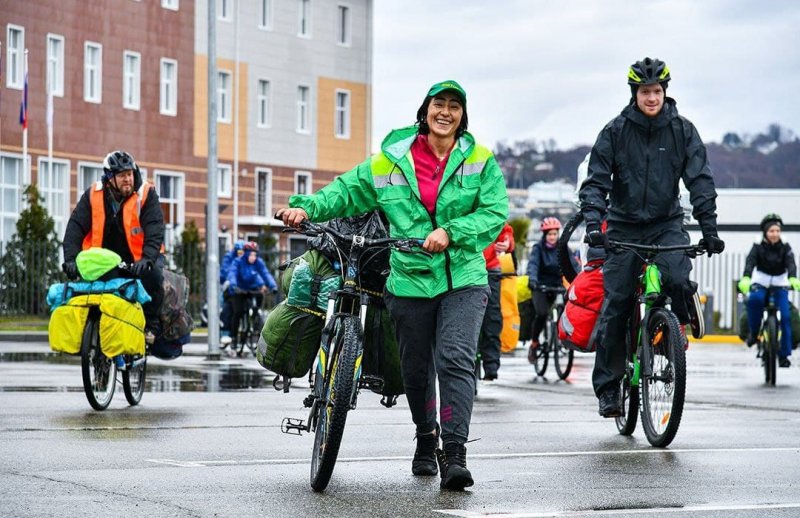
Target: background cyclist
247	273
544	272
227	307
770	263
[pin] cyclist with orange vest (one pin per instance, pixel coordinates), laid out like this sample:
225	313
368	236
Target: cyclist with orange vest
121	213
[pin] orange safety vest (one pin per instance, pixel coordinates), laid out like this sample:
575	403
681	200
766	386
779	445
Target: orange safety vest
134	233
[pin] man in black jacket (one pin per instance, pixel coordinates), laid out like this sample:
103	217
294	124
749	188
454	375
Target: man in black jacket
634	170
122	214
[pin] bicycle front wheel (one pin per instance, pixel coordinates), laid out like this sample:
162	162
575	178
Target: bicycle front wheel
663	383
133	379
99	371
562	355
770	350
334	401
626	423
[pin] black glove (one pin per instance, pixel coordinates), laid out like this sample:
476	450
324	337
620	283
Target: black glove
713	244
595	237
70	269
141	267
533	285
273	291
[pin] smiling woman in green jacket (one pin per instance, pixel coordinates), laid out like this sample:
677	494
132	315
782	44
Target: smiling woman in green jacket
433	181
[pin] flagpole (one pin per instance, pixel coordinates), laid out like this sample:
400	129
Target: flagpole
25	126
49	117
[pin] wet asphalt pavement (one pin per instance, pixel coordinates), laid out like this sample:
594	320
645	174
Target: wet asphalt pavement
206	441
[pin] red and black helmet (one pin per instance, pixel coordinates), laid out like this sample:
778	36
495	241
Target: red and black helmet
251	246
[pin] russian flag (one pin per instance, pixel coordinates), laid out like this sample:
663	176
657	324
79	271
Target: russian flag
23	106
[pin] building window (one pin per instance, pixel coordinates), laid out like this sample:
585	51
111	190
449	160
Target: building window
224	8
88	174
15	56
263	98
169	87
264	192
304	19
223	96
303	110
170	4
265	14
54	187
224	181
169	186
11	181
131	79
343	25
93	72
55	64
342	115
302	182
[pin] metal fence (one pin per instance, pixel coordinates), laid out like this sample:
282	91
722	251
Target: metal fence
28	269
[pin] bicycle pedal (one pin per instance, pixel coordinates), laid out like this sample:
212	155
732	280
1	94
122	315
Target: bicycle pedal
293	426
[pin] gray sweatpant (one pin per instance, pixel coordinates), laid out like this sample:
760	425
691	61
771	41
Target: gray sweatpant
439	337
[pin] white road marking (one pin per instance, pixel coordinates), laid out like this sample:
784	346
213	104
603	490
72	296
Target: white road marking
618	512
649	451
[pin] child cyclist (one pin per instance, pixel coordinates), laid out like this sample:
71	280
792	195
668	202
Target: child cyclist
770	264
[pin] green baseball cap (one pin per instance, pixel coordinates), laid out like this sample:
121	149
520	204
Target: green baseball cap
448	85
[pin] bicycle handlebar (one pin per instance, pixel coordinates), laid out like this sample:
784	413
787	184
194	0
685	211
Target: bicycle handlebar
690	249
403	245
552	289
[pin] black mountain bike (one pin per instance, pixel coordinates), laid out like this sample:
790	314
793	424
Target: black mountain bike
337	376
769	341
251	324
562	355
655	373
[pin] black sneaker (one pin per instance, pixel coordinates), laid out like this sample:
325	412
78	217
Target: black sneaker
784	362
609	403
453	466
490	376
424	463
696	321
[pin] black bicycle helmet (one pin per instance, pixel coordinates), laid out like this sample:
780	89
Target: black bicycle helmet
769	220
116	162
648	72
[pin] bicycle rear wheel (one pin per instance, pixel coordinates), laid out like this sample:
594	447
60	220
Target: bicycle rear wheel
770	350
562	355
133	379
663	381
99	372
334	400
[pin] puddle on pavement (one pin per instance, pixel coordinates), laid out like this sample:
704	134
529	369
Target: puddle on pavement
160	377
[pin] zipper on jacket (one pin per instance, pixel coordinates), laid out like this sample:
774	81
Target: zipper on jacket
647	170
448	271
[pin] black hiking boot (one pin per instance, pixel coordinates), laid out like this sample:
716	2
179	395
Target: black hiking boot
610	403
424	463
453	466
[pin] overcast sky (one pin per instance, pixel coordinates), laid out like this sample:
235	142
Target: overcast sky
558	69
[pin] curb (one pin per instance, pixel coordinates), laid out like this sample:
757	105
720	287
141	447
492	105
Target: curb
718	339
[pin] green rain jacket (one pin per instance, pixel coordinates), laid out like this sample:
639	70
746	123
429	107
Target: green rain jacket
472	207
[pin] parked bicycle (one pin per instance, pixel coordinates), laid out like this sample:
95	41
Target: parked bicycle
551	344
337	376
655	374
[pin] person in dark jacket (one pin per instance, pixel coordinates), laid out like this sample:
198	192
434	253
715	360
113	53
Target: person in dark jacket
635	168
122	213
770	264
492	326
247	273
544	272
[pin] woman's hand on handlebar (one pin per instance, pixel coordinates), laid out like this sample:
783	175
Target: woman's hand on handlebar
291	217
436	241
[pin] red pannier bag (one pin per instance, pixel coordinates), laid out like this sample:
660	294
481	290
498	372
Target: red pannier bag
576	327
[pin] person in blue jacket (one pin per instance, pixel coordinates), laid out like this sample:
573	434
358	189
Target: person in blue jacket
247	273
227	307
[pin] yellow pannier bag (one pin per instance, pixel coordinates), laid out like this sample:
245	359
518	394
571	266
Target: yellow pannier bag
523	291
121	325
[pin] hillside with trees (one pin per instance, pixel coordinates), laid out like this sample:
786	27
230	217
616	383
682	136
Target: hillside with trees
765	160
